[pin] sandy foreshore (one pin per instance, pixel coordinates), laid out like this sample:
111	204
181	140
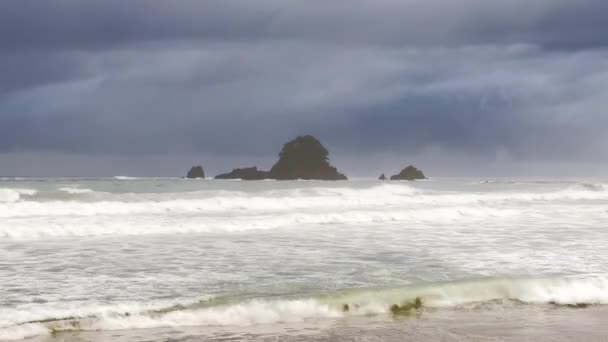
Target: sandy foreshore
526	323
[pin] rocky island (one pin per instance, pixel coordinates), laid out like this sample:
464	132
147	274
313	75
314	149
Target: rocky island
196	172
304	158
301	158
248	173
410	173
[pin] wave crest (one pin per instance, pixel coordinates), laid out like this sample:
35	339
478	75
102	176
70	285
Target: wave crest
575	290
76	191
9	195
73	211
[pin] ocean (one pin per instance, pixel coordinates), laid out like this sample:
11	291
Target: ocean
167	259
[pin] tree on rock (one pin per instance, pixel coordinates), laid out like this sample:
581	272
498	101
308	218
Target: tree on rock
304	158
196	172
410	173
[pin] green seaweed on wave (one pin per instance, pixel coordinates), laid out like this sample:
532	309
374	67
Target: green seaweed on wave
571	306
578	306
347	307
406	308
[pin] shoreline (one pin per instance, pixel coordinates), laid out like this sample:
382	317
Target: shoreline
515	324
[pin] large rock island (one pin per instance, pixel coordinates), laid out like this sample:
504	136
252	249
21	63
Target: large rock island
304	158
410	173
196	172
301	158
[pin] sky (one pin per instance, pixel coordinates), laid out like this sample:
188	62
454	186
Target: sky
456	87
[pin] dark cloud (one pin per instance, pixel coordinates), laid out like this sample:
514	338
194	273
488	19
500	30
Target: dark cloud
231	78
79	24
105	24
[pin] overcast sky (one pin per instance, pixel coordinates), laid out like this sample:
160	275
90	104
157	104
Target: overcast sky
462	87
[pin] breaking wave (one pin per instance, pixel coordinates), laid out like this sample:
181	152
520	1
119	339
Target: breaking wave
272	200
28	321
76	191
75	211
8	195
106	225
125	178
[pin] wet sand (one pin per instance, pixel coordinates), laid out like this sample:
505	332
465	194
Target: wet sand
527	323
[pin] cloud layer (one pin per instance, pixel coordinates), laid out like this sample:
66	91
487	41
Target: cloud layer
219	79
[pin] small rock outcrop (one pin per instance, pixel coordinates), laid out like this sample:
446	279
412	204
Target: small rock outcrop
248	173
410	173
304	158
382	177
196	172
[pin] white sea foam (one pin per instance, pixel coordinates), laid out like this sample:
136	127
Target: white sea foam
34	320
167	222
104	213
590	289
24	331
276	200
76	191
108	225
206	202
125	178
9	195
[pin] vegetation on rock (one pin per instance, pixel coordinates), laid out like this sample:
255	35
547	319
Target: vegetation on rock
410	173
196	172
304	158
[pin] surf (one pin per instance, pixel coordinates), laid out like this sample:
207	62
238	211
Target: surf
577	291
75	210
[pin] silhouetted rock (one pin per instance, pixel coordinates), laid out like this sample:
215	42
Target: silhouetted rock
304	158
409	173
382	177
248	173
196	172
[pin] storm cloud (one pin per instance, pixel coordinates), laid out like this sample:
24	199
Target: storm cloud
224	82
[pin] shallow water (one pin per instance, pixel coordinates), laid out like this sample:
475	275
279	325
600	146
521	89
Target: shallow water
172	259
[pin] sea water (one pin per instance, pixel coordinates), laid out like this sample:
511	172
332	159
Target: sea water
160	259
